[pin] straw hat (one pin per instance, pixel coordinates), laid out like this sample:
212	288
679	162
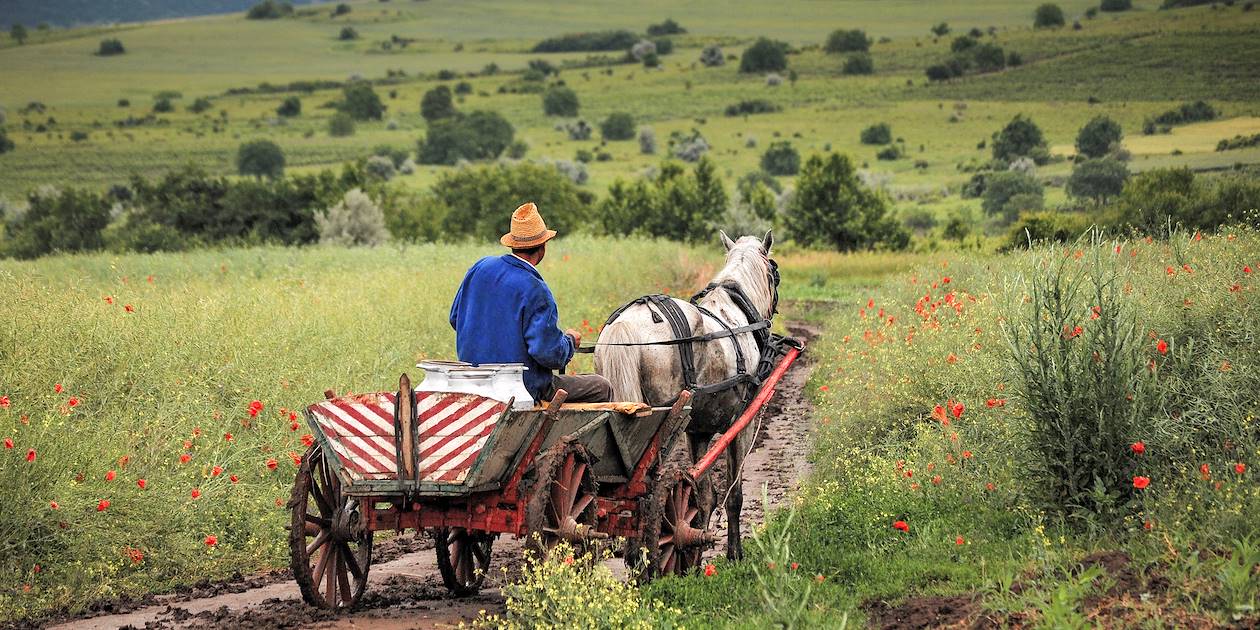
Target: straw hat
528	229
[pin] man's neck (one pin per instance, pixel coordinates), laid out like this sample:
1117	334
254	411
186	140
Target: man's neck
531	263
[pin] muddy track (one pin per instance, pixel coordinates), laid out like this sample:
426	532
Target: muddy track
405	589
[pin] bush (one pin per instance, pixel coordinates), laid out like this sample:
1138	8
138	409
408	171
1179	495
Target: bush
618	126
78	135
879	133
842	41
1048	16
396	155
587	42
163	106
437	103
132	231
940	30
668	27
341	125
361	102
939	72
832	208
1008	193
1229	144
712	57
642	48
348	33
781	158
859	63
758	193
341	9
891	152
1098	179
752	106
774	80
764	56
356	220
647	141
480	135
269	10
1116	5
559	100
688	148
671	205
110	47
1044	227
664	46
290	107
6	144
478	199
200	105
1197	111
56	221
578	130
1153	200
380	167
1098	137
1020	137
260	158
988	58
963	43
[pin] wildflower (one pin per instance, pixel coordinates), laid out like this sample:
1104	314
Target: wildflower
819	578
1141	482
951	359
936	481
1187	268
959	541
293	426
102	505
293	417
4	402
187	445
1246	268
966	454
109	476
184	459
1205	472
234	479
129	308
938	414
1240	468
124	460
73	402
995	402
1170	271
149	279
823	388
142	483
308	439
1226	366
957	409
227	437
8	443
297	459
212	540
945	280
1147	525
196	493
255	407
54	505
990	487
57	388
901	525
1096	312
770	565
909	474
272	463
710	570
279	502
796	565
1138	447
216	471
1161	346
109	299
30	455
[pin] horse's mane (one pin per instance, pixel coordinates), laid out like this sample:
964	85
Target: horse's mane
748	266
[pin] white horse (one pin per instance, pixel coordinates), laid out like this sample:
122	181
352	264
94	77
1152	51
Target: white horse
654	373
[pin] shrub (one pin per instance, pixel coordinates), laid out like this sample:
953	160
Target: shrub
647	141
1098	136
1014	59
200	105
939	72
842	41
890	152
832	208
758	193
963	43
668	27
559	100
584	156
642	48
1097	179
1239	142
355	220
290	107
437	103
163	106
477	199
78	135
341	125
380	167
752	106
1048	15
269	10
988	57
132	231
587	42
1197	111
712	56
618	126
260	158
480	135
1044	227
18	33
348	33
673	204
664	46
781	158
650	60
341	9
575	170
6	144
1018	138
396	155
688	148
1153	200
879	133
361	102
1116	5
764	56
110	47
70	220
1008	193
774	80
859	63
578	130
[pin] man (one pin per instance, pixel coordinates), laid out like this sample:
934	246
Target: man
504	313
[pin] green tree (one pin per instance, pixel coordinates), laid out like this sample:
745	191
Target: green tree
437	103
269	10
764	56
1008	193
559	100
1020	137
1098	179
56	221
781	158
831	208
110	47
347	34
1098	136
618	126
480	135
1048	15
941	30
988	57
18	33
673	204
260	158
341	125
842	41
859	63
476	201
361	102
877	134
290	107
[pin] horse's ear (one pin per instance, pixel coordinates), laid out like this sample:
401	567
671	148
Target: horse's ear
767	242
726	240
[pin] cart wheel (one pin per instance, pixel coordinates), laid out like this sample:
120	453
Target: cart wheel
562	503
463	557
673	532
330	549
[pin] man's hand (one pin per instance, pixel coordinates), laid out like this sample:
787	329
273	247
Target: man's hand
577	337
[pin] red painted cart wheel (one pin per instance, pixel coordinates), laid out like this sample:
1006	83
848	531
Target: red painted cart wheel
562	502
673	533
463	557
330	547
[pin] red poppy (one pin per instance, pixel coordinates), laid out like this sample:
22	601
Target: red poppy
936	481
123	461
54	505
129	308
957	409
187	445
308	439
959	541
297	459
995	402
1141	482
1170	271
293	426
73	402
1138	447
1147	525
1246	268
819	578
272	463
109	299
216	471
909	473
142	483
1205	472
1161	346
1187	268
966	454
109	476
149	279
293	416
227	437
30	455
990	487
234	479
945	280
184	459
136	555
938	414
710	570
1240	468
4	402
57	388
102	505
8	443
901	525
212	540
951	359
796	565
196	493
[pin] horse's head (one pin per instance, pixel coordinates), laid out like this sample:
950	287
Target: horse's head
748	262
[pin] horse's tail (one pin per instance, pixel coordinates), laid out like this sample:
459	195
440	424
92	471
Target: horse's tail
619	364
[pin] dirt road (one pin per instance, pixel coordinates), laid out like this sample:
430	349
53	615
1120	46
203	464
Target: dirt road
405	589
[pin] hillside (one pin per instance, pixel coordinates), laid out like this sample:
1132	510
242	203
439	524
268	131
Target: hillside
80	12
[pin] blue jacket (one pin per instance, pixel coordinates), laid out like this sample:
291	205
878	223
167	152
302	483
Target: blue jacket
504	313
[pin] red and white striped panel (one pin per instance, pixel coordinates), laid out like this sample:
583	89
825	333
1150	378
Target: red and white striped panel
453	430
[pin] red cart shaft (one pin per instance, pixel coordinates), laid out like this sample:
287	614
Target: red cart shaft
763	395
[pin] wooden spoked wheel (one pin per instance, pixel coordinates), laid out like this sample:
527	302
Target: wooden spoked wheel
673	532
562	501
463	557
330	547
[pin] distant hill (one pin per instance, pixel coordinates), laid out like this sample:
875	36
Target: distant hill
76	12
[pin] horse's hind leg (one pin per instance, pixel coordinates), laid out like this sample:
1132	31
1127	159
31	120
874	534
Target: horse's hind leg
734	500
